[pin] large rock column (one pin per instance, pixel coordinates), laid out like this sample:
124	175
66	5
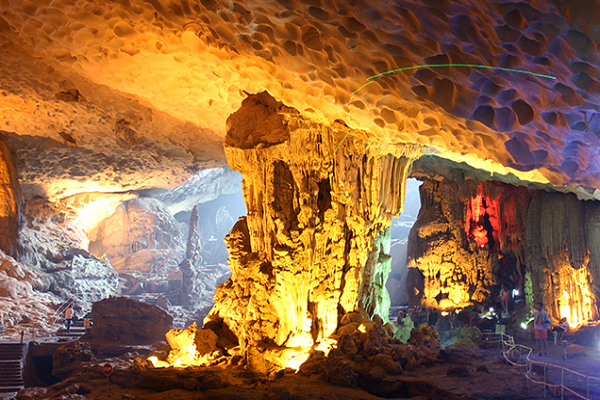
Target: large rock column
455	246
315	243
9	203
562	254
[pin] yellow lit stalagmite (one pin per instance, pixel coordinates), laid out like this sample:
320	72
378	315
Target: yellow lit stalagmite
315	243
576	302
185	350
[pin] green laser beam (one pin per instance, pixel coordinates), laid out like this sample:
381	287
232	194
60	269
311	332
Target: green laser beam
337	148
370	79
459	65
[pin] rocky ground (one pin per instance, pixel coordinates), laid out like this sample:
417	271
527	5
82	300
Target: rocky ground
478	376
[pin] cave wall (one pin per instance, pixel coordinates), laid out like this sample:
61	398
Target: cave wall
141	235
473	237
10	202
561	252
455	246
315	243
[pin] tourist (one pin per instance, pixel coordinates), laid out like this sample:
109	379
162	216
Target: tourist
540	328
504	297
69	317
562	327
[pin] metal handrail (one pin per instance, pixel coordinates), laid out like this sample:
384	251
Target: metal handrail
508	345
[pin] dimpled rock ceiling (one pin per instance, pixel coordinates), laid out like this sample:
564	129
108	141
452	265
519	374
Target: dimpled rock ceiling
194	60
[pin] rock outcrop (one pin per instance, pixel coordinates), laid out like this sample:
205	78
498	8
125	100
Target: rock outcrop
120	320
141	235
315	243
10	202
22	306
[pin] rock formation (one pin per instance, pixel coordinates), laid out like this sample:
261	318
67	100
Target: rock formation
119	320
141	235
460	231
10	202
472	238
315	243
127	104
191	289
196	64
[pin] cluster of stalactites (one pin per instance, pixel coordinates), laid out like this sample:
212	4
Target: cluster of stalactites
319	201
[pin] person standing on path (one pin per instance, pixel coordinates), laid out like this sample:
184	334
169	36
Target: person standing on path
540	328
69	317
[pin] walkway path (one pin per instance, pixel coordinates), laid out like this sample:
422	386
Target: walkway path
581	362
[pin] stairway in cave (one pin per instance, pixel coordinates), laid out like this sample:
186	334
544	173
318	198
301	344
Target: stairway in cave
77	328
11	367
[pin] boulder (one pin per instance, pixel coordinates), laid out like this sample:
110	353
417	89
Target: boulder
127	321
69	357
339	371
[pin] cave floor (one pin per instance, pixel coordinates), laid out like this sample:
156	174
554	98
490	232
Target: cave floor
426	382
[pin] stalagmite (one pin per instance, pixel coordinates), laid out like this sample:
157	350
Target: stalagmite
315	243
190	266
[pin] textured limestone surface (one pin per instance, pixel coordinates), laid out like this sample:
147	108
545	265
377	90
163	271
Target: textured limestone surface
22	306
10	202
315	243
174	62
460	234
140	235
126	321
471	239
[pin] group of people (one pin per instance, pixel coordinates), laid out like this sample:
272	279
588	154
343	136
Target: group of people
69	315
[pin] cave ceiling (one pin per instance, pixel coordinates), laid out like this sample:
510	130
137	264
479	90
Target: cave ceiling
135	94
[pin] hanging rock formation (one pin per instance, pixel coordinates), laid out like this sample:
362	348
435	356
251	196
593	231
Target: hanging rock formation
472	238
315	243
10	198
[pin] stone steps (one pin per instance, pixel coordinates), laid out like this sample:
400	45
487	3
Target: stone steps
77	329
11	367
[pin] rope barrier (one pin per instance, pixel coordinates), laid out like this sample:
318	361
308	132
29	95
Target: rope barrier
510	348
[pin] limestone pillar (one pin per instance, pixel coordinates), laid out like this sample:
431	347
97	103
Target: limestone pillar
315	243
10	199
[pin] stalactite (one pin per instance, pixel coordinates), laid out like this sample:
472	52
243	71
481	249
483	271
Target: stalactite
315	243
